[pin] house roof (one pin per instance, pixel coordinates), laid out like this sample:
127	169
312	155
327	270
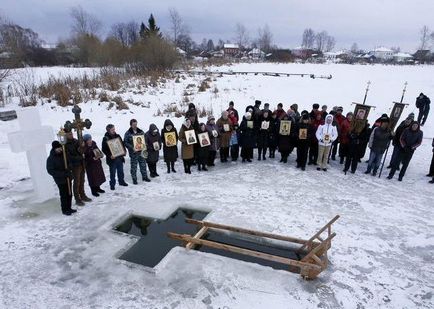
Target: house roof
230	46
403	55
382	49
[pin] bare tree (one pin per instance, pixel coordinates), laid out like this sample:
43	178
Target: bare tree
241	35
308	38
330	43
126	33
83	22
424	37
265	38
177	26
320	40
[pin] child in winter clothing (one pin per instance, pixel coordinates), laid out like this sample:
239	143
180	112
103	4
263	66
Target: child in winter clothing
325	135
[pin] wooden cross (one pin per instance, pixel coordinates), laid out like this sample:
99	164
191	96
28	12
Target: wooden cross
78	124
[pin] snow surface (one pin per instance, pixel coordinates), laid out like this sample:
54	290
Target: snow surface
380	258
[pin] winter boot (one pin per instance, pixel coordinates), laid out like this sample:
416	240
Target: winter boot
172	165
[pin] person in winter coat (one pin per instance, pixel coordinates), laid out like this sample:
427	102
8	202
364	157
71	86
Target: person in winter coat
358	137
326	135
263	135
153	144
315	109
313	143
339	118
233	113
234	143
225	127
280	112
285	142
273	135
187	151
170	148
247	134
324	112
395	142
431	167
410	139
344	137
75	153
203	150
214	138
422	103
116	164
94	171
296	115
136	157
378	141
62	177
303	141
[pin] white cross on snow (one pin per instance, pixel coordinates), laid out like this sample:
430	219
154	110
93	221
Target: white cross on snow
32	139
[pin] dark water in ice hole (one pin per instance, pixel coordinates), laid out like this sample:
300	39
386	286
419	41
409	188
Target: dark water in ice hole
154	243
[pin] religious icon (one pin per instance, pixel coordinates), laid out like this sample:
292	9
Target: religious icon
170	139
285	127
361	113
302	134
98	153
226	127
265	125
156	145
204	139
397	112
191	137
138	142
250	124
326	138
116	147
214	133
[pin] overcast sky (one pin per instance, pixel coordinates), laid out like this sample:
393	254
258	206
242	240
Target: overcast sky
370	23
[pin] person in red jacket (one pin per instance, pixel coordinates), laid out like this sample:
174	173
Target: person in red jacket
343	138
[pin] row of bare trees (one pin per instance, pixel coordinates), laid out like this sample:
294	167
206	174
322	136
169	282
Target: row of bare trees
320	41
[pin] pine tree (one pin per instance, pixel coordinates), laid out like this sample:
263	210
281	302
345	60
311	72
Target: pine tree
151	29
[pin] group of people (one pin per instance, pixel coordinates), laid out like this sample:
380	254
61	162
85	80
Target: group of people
318	137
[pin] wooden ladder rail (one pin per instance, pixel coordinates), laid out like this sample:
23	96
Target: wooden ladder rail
246	231
308	244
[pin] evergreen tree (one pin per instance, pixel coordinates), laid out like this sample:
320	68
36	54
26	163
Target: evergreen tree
150	30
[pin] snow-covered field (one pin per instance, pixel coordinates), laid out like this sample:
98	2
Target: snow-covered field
382	256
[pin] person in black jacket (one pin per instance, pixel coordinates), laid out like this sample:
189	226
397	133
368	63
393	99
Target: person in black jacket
170	150
75	152
358	138
274	132
62	177
410	139
247	134
422	103
116	164
136	157
303	140
431	167
395	142
263	134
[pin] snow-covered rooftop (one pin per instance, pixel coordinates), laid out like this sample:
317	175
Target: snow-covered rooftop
228	45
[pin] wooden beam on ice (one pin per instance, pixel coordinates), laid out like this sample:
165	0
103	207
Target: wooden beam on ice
327	226
198	235
230	248
246	231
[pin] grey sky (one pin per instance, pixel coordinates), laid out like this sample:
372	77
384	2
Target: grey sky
370	23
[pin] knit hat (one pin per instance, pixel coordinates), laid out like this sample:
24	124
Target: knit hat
87	137
410	116
384	119
56	144
211	117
